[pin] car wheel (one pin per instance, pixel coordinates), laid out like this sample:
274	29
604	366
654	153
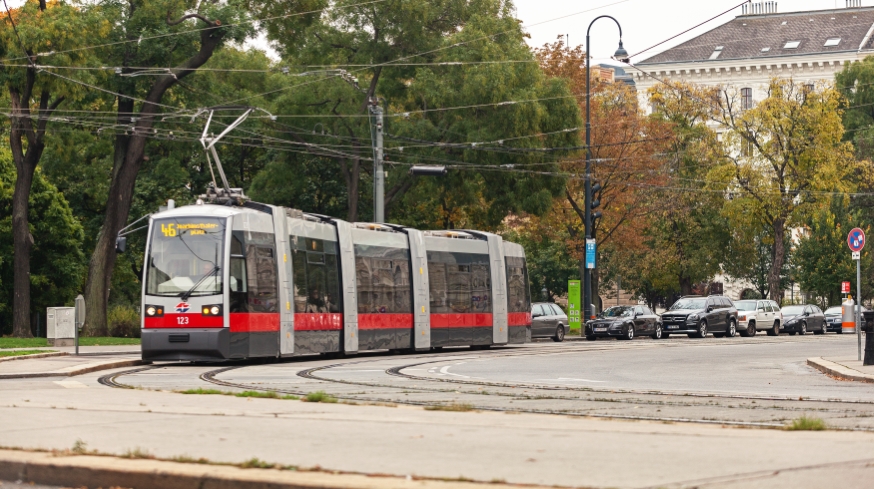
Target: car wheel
821	330
666	336
629	333
775	331
803	330
591	338
658	332
841	330
750	331
702	330
732	329
559	334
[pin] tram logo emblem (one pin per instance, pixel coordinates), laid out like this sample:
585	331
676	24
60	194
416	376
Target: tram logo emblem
183	307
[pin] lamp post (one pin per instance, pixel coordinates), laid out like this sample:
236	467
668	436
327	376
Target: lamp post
620	55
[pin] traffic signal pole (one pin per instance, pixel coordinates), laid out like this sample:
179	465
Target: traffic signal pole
378	171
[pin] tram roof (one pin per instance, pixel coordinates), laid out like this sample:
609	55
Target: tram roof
204	210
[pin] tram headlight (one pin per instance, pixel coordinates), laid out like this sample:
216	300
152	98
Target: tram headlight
214	310
154	311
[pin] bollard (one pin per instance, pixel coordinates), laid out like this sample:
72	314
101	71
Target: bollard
848	320
869	337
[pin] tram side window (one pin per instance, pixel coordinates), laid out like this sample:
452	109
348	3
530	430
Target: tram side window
238	279
261	271
459	282
519	299
316	276
382	277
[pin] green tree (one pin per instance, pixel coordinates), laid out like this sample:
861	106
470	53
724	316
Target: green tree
57	259
782	153
822	258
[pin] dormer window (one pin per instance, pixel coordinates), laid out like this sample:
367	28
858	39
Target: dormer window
716	52
832	41
765	50
792	45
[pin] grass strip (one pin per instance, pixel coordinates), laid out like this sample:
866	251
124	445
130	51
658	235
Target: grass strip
320	396
258	394
18	353
450	407
805	423
7	342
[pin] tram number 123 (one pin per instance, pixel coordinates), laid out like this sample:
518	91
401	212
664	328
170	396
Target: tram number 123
181	320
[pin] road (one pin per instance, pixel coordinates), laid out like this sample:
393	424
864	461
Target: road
602	414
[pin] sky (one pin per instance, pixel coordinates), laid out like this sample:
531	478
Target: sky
644	22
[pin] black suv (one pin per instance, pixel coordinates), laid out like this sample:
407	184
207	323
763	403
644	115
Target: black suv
697	316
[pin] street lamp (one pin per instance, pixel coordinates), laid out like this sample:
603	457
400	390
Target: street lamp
620	55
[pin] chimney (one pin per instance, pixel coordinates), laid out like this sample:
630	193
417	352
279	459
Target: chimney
761	8
853	3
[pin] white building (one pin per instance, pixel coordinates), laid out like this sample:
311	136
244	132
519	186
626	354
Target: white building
746	52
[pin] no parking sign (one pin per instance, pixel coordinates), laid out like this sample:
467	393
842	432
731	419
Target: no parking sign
856	240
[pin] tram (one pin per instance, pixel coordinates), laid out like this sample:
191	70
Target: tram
253	280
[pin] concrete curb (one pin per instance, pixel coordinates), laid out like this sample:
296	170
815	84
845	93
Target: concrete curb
99	471
838	370
35	355
77	370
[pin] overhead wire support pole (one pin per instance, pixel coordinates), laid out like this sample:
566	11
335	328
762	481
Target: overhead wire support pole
378	171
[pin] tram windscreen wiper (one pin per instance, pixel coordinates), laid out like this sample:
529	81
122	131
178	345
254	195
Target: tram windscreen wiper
194	287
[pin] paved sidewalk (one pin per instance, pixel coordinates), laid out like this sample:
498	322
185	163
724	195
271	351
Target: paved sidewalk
66	365
86	350
846	368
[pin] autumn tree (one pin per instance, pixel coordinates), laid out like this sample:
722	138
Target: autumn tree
783	152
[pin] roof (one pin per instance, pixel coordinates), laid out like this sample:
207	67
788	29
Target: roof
746	36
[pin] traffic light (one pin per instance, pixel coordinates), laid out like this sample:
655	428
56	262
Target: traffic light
595	203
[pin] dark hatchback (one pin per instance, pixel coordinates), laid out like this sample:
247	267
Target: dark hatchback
696	316
624	323
548	320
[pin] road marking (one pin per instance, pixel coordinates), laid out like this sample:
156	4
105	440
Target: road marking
445	371
71	384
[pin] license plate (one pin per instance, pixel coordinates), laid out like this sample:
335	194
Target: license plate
674	327
600	330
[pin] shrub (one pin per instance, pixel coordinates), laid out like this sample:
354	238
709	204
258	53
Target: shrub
124	322
807	424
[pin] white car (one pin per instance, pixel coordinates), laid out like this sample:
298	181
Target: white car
754	315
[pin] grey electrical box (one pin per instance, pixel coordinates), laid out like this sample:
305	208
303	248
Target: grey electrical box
61	326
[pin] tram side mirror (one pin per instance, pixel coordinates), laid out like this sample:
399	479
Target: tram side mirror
120	244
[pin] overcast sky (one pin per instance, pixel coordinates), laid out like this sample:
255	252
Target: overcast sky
644	22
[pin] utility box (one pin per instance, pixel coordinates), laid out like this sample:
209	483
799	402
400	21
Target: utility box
61	326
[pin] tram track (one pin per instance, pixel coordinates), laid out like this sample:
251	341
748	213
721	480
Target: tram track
417	390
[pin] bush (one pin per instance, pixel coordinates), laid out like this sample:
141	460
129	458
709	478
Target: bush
124	322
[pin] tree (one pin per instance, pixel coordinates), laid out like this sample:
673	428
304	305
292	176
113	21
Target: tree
58	261
822	258
34	96
140	103
783	152
550	263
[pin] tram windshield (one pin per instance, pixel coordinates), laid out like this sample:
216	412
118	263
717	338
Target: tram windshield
185	257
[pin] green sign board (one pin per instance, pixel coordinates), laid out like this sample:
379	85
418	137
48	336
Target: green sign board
574	304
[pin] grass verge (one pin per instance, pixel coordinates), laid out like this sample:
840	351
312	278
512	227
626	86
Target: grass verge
259	394
18	353
807	424
6	342
450	407
320	396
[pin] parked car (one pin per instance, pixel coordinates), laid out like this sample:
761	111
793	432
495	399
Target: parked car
696	316
548	321
801	319
624	323
834	318
755	315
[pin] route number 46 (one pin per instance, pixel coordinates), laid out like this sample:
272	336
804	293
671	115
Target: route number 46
181	320
169	230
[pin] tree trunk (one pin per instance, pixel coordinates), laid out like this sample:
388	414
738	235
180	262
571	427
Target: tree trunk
129	152
779	252
22	240
685	285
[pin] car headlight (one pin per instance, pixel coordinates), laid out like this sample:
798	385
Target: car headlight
692	317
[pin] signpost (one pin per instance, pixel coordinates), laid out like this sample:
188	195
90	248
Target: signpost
574	305
591	248
856	241
845	287
80	319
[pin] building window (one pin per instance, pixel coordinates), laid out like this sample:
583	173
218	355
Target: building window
716	52
746	98
746	148
832	41
792	45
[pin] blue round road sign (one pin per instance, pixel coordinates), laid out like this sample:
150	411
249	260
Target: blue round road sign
856	240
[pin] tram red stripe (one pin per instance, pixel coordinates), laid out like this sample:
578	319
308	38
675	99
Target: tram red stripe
174	320
519	319
385	321
461	320
318	322
254	322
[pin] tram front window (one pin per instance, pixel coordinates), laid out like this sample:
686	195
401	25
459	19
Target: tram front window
185	257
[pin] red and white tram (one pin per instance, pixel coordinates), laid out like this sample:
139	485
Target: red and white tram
254	280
